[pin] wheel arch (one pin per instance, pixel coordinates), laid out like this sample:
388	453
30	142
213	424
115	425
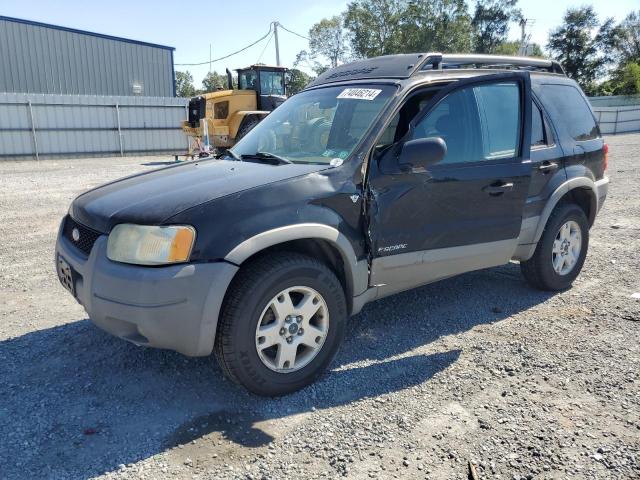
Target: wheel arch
317	240
581	191
238	119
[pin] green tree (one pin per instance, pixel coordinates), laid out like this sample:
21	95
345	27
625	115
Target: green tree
328	46
374	26
629	38
213	81
296	81
624	81
327	39
576	45
184	85
436	26
622	42
491	19
513	48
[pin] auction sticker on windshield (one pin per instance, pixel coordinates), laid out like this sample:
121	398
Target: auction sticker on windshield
359	93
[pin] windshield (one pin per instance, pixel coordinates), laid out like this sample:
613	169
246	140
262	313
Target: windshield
317	126
271	83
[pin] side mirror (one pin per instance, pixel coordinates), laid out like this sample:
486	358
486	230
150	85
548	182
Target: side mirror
418	154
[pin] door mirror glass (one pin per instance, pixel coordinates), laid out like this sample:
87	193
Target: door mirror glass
418	154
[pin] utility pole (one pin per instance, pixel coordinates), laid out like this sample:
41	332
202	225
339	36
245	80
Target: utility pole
524	37
275	36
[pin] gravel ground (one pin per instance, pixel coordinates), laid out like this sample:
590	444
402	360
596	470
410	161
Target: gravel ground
479	368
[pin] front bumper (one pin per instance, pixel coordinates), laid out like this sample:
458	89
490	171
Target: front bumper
174	307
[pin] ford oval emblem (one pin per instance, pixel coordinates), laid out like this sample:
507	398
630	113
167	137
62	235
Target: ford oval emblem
75	234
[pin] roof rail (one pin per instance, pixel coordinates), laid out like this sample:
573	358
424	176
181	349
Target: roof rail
438	61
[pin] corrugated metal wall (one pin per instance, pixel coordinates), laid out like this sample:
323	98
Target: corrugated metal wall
40	58
46	126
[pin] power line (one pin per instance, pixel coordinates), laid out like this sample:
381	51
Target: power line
291	31
264	49
229	55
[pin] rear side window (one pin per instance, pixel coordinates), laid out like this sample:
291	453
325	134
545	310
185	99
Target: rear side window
537	126
571	108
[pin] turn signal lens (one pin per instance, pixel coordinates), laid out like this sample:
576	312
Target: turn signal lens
605	151
150	245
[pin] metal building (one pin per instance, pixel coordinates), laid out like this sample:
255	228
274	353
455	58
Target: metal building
40	58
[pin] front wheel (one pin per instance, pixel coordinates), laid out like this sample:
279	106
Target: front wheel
281	324
561	251
246	126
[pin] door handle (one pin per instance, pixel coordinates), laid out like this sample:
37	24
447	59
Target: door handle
548	166
496	189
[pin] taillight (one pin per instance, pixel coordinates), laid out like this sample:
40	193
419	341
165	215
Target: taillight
605	151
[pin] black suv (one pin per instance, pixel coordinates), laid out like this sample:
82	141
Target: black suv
381	176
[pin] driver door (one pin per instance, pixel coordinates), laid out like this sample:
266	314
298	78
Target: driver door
465	212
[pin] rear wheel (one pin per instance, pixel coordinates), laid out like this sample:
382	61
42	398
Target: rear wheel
282	323
561	251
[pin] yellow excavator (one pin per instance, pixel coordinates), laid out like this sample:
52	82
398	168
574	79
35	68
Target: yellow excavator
217	120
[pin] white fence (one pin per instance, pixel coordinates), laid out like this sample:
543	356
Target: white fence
49	126
614	120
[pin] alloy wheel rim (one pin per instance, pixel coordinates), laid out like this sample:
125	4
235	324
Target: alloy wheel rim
292	329
566	248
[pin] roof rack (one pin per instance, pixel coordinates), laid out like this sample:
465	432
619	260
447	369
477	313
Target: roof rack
438	61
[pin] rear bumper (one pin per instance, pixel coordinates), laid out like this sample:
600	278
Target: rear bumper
174	307
602	187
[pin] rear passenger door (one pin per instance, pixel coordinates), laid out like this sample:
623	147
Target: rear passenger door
547	172
465	212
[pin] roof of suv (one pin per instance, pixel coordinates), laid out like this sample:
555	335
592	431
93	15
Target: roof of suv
404	66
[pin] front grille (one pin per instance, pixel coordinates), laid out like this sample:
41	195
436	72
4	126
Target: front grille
86	238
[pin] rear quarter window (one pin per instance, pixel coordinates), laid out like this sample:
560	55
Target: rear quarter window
571	109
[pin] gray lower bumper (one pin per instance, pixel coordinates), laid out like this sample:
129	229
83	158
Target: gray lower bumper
602	187
174	307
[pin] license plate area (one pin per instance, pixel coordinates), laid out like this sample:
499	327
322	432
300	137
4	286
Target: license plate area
66	275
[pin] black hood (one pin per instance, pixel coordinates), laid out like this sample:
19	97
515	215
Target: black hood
152	197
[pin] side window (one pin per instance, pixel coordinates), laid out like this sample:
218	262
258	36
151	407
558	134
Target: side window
477	123
389	134
399	124
454	119
567	103
499	106
537	126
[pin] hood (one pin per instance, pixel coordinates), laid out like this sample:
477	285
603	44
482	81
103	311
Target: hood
152	197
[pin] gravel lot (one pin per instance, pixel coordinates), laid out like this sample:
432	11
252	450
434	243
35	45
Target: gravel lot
479	368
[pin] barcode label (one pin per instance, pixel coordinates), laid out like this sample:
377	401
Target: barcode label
359	93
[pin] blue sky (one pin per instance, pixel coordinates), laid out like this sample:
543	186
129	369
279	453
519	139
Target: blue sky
191	26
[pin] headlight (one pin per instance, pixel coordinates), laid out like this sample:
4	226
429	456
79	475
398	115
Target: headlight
150	245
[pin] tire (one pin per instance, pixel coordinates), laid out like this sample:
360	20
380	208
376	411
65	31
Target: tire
249	305
540	270
246	127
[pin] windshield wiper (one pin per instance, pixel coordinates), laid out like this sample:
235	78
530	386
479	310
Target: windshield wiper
232	155
266	156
